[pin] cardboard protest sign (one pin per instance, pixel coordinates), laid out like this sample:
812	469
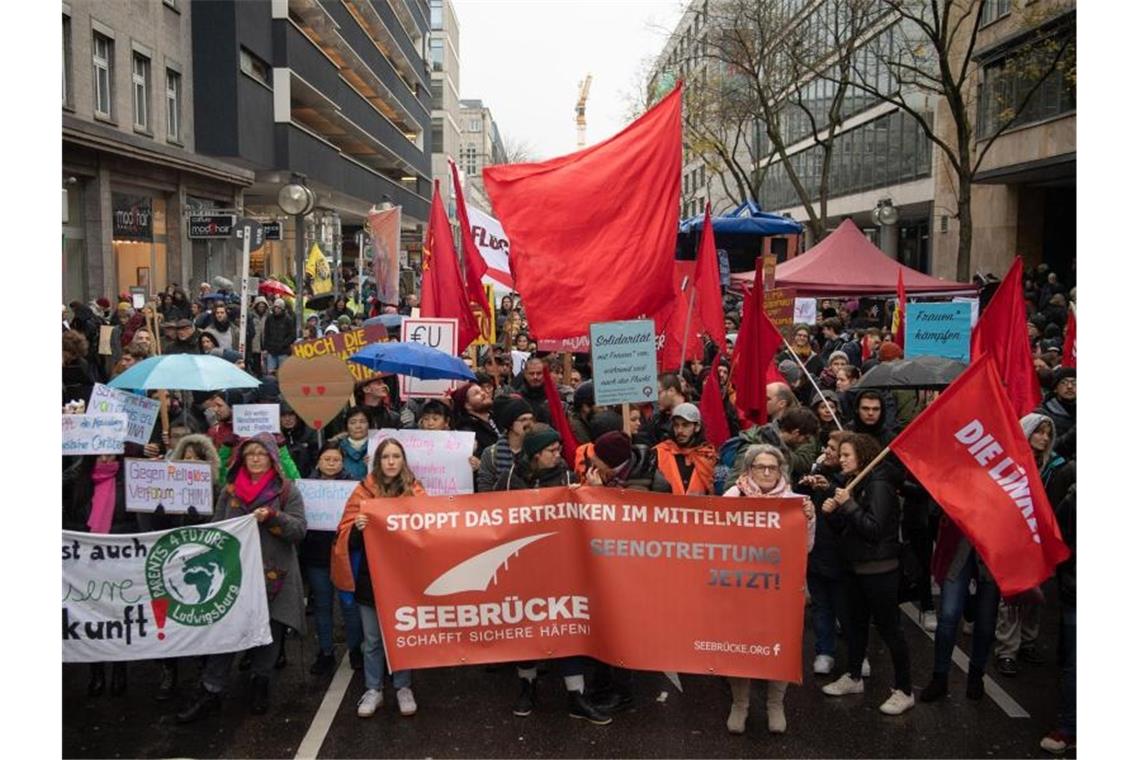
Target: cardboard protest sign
804	311
317	389
625	361
974	305
324	501
141	411
780	305
646	580
343	345
440	334
486	321
188	591
105	333
85	434
938	329
251	419
438	458
176	486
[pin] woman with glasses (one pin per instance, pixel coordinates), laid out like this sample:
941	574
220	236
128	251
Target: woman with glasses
765	473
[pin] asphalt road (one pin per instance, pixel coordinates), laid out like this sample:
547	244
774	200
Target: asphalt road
466	712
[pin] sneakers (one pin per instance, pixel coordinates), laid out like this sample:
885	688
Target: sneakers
325	663
845	685
372	700
929	621
524	705
866	669
777	721
897	703
1057	743
936	690
1007	666
406	700
823	664
737	718
582	708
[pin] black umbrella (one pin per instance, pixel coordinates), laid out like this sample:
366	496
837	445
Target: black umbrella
320	302
922	372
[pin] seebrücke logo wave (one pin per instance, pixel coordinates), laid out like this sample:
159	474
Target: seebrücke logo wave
480	571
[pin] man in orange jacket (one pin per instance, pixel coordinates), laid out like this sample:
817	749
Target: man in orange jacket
687	460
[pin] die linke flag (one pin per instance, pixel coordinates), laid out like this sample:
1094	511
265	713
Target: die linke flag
969	451
443	291
1001	333
593	233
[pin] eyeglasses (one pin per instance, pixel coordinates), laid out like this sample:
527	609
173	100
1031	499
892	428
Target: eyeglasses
255	455
1067	381
766	468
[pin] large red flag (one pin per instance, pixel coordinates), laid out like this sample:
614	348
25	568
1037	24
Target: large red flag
1002	334
969	451
898	321
713	419
757	343
558	417
474	267
593	234
1069	354
443	293
710	307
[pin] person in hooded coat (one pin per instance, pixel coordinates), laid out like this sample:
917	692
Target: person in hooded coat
1061	407
256	485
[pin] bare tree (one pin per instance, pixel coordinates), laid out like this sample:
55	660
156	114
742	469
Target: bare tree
517	150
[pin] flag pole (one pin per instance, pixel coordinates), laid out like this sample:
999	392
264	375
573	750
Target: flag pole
834	416
863	473
688	320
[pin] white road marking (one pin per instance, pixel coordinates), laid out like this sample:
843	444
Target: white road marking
323	720
999	695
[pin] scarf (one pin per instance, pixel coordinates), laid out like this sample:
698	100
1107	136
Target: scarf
103	499
247	489
804	352
748	487
702	458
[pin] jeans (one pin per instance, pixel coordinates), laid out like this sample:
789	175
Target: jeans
1068	646
323	593
374	663
216	674
876	597
954	595
273	361
827	603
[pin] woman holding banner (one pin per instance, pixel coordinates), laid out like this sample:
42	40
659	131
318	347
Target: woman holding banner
390	477
765	473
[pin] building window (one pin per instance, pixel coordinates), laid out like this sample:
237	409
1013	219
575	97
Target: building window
437	94
470	159
102	57
66	61
1006	83
253	66
475	125
173	106
992	10
437	15
140	90
437	135
436	53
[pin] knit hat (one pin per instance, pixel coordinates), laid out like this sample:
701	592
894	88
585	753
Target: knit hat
613	448
838	355
331	329
584	394
687	411
511	410
831	396
1061	373
459	396
103	303
537	440
889	351
344	319
605	421
278	303
790	370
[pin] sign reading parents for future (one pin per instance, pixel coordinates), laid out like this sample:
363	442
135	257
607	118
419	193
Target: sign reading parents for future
938	329
625	361
177	486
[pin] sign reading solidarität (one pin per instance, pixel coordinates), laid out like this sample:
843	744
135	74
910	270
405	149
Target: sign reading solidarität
188	591
625	361
649	581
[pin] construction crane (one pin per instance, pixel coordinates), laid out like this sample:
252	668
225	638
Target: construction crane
580	109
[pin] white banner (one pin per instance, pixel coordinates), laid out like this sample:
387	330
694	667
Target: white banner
251	419
85	434
324	501
440	459
804	312
188	591
437	333
495	248
140	410
177	486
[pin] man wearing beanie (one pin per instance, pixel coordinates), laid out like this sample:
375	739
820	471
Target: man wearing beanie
686	460
471	406
583	410
514	417
1061	407
279	334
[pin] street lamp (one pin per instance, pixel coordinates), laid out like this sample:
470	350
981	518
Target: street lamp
885	214
297	200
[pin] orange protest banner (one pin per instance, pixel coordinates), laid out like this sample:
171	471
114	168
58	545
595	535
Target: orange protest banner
640	580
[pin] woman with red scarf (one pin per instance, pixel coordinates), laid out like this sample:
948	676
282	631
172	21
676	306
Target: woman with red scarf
256	485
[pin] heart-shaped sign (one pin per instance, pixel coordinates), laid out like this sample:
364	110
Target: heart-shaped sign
316	388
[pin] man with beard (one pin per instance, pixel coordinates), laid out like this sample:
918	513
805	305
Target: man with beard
686	460
472	407
1061	407
221	328
514	417
583	410
530	387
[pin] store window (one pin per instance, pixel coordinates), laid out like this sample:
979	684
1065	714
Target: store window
138	236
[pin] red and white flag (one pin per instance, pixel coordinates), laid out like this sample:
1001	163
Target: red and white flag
1069	354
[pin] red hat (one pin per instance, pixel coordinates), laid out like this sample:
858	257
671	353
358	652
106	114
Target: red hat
614	448
103	303
889	351
459	396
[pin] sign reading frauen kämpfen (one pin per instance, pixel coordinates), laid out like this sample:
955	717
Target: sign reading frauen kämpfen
625	361
938	329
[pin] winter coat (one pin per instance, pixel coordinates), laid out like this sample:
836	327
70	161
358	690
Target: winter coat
701	457
868	525
188	346
78	381
580	428
280	534
280	332
301	442
77	512
355	460
495	460
226	336
485	431
1064	416
519	478
825	559
641	472
536	397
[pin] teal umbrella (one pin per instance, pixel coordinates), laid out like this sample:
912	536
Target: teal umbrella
184	372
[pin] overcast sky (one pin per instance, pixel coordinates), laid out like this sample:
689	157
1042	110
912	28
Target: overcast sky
525	58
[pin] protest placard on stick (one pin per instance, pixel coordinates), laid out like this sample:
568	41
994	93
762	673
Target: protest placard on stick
141	411
251	419
176	486
438	458
85	434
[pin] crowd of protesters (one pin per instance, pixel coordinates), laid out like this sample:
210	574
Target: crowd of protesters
870	548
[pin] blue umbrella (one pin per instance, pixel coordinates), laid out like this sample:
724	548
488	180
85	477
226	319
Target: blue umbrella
184	372
387	320
213	297
413	359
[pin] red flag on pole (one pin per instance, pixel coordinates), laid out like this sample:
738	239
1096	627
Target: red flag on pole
969	451
713	419
474	267
1001	333
710	307
898	322
593	234
443	293
757	344
558	417
1069	354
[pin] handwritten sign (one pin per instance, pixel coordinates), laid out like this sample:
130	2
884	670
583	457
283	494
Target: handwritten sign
804	311
344	345
438	458
177	486
440	334
625	361
251	419
780	304
324	501
141	411
85	434
938	329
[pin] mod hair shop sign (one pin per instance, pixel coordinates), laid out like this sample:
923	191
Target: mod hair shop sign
132	217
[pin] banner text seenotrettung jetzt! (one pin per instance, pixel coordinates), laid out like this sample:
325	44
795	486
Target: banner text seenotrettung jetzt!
640	580
188	591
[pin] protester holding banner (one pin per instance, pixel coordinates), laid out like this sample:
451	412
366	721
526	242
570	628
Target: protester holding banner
866	519
390	478
256	484
686	460
765	473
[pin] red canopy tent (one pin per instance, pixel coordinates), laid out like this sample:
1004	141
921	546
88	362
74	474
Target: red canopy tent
846	263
